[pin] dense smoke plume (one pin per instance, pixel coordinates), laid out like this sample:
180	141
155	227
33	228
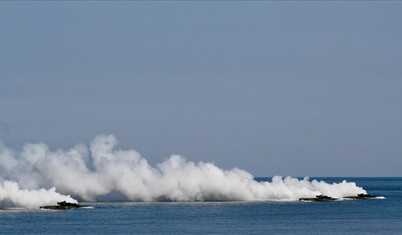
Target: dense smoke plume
37	176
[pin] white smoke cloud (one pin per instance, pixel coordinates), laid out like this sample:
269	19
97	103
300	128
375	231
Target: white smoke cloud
11	193
100	171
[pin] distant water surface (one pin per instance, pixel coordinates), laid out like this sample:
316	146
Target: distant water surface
373	216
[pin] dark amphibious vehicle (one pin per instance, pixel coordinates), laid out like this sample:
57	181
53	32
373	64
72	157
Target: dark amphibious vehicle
318	198
62	206
361	196
322	198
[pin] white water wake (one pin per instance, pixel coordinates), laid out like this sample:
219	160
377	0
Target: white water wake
100	171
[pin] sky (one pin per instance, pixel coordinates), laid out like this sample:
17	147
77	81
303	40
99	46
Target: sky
294	88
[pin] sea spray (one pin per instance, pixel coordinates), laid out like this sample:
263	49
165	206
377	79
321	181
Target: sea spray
101	171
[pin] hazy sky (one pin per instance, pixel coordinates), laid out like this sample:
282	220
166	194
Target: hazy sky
274	88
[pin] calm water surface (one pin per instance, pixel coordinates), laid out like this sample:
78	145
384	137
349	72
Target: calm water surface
336	217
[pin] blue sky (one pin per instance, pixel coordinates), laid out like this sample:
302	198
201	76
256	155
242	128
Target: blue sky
275	88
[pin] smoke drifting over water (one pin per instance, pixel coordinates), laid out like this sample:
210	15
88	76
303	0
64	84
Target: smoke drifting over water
38	176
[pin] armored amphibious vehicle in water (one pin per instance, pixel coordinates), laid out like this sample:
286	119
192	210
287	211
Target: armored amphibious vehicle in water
318	198
62	206
361	196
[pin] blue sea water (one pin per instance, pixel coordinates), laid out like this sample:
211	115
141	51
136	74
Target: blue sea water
375	216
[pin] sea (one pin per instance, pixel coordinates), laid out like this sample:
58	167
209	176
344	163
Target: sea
371	216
